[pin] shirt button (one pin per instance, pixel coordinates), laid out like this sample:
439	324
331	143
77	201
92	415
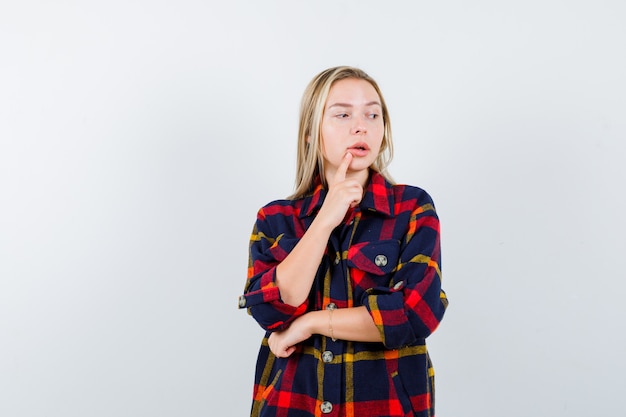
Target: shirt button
327	356
326	407
242	301
337	260
380	260
331	306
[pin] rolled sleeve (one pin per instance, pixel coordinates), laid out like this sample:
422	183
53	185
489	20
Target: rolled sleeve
414	304
261	294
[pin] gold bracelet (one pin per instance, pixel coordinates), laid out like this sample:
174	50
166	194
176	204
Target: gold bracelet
330	324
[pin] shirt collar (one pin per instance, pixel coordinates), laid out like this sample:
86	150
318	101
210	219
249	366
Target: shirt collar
378	197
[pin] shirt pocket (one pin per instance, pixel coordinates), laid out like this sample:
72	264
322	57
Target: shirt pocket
377	257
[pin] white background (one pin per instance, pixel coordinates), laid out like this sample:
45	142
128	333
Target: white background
139	138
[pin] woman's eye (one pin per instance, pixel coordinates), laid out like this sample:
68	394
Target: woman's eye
342	115
374	116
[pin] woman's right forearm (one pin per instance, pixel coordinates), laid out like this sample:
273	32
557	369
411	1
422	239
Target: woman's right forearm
295	274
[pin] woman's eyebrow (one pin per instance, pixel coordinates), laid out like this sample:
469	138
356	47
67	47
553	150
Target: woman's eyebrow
371	103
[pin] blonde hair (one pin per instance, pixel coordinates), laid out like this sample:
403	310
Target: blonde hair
310	161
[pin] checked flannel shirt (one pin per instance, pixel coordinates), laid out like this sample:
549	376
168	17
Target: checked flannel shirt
386	257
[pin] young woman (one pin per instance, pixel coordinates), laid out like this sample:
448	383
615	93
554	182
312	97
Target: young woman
345	274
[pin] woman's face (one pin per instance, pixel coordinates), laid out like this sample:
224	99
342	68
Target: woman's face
352	122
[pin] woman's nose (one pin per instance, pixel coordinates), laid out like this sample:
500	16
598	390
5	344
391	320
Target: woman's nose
358	126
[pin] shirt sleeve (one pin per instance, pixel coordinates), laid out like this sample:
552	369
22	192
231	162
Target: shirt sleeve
412	307
261	294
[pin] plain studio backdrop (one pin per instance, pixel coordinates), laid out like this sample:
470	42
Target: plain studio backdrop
139	138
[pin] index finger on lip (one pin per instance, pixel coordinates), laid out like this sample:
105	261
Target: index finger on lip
343	167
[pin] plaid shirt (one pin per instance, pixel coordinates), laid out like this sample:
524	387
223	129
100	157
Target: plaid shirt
386	257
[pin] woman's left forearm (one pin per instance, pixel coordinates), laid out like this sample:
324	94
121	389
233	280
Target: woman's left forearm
354	324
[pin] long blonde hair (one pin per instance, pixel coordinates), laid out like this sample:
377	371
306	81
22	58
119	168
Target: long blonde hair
310	162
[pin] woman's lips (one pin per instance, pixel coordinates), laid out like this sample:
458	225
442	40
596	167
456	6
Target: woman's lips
359	149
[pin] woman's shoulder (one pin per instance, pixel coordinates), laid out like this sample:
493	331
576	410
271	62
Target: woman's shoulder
400	192
284	207
405	192
288	202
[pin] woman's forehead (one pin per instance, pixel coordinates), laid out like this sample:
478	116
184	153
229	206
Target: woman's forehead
350	92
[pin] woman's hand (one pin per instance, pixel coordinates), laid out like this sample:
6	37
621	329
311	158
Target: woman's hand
342	195
283	343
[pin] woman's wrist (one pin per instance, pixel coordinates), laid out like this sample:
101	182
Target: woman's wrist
318	322
320	225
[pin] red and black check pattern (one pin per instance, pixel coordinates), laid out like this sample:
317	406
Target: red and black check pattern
386	257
